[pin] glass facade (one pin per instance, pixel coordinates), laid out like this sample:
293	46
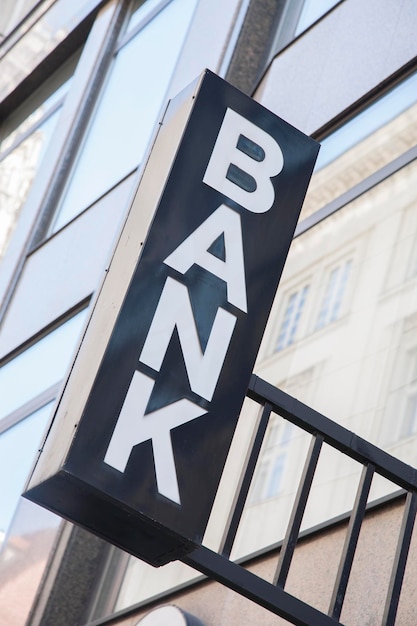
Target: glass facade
347	292
24	560
342	335
22	380
29	384
24	139
12	13
346	345
122	115
369	141
31	46
124	121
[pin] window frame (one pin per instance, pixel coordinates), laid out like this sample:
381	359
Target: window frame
123	38
332	297
49	394
291	334
274	454
40	203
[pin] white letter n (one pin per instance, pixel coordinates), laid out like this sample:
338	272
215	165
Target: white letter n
174	310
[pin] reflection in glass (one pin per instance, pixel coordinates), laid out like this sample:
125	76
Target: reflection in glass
24	139
45	35
269	474
12	13
17	172
333	295
372	139
361	369
27	532
128	110
370	242
23	560
39	367
33	111
18	446
291	319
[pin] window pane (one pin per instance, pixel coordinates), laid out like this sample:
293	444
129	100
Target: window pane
24	139
23	560
275	479
38	367
30	114
18	447
41	39
17	172
291	318
372	139
410	417
362	365
333	296
128	110
12	12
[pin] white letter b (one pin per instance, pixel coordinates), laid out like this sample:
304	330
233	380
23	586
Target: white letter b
243	161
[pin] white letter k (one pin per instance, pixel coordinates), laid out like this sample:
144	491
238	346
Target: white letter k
134	427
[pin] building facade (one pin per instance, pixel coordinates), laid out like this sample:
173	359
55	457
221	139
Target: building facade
83	84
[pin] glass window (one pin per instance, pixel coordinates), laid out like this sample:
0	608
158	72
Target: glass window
269	473
24	139
361	373
47	31
400	418
359	364
128	110
33	534
291	318
410	418
18	446
373	138
39	367
275	479
12	12
22	379
17	171
27	531
333	295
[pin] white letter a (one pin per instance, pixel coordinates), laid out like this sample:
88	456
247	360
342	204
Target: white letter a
195	250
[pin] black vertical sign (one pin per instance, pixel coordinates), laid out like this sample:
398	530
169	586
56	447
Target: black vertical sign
156	429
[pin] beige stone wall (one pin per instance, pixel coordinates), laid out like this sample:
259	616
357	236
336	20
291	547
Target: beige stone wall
311	579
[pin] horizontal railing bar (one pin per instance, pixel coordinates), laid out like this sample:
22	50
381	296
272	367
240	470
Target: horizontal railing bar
249	585
334	434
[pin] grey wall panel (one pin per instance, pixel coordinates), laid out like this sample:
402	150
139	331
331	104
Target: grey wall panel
338	61
65	270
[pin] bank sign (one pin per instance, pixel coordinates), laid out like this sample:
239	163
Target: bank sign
139	458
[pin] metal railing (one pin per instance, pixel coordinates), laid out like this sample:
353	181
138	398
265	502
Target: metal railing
272	595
